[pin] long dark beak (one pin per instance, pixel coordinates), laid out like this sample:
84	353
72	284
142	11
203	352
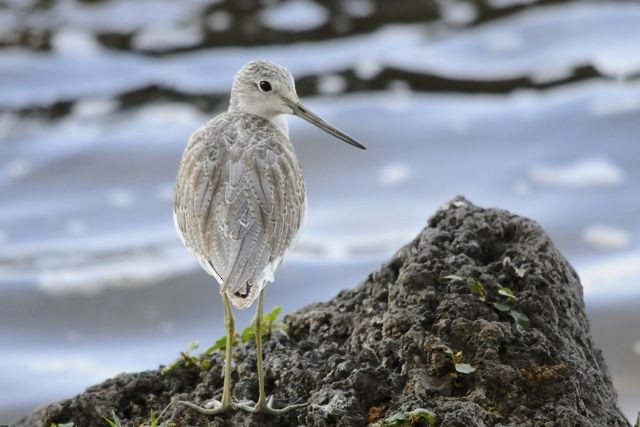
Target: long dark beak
304	113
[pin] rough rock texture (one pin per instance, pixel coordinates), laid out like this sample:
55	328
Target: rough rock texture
379	349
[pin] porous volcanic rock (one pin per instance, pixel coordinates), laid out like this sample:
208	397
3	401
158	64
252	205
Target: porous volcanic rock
382	348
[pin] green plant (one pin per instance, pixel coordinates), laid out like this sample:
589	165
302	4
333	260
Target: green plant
457	358
114	421
406	419
69	424
188	359
154	417
269	323
501	304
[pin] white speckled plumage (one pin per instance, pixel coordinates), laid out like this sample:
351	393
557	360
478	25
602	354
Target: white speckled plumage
240	202
240	198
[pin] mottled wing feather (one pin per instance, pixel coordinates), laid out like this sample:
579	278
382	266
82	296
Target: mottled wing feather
240	201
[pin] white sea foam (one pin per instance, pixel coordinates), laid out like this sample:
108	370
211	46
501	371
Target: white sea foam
559	36
331	84
131	268
358	8
94	108
456	12
605	237
170	36
173	112
121	15
465	55
75	42
349	247
219	21
615	277
295	15
367	68
581	174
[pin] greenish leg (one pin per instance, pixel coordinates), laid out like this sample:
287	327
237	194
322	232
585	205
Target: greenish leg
263	405
215	407
262	400
230	323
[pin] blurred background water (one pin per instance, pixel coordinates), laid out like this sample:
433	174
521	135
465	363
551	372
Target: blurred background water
531	106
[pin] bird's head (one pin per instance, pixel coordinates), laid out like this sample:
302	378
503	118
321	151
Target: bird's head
268	90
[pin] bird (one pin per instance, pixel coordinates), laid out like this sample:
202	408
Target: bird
240	202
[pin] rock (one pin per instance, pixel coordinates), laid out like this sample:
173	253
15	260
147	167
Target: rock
391	345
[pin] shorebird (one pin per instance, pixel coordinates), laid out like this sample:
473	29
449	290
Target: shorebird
240	202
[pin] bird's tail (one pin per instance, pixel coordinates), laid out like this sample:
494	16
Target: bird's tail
244	297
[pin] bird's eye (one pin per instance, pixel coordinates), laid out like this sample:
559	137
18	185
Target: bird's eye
265	86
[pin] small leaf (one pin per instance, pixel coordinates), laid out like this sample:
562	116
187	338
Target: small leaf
188	359
283	327
500	306
395	420
457	358
221	344
520	318
423	414
115	422
454	278
272	315
464	368
170	367
154	418
477	288
507	292
520	271
248	334
193	345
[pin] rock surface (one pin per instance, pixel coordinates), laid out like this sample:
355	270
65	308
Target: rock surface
383	348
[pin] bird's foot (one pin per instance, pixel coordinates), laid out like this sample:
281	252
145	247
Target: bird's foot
266	407
210	407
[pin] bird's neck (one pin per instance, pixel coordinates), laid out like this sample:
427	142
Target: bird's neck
277	119
280	121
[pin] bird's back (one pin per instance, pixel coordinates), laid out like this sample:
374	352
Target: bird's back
239	201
